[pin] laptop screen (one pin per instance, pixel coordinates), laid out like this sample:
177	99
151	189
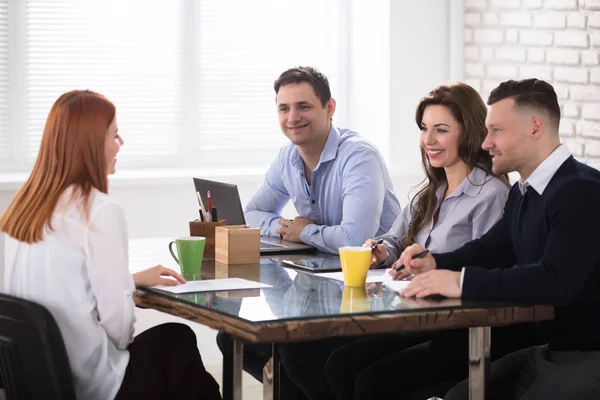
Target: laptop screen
225	197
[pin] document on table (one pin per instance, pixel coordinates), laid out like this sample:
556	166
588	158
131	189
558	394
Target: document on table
396	286
373	276
213	285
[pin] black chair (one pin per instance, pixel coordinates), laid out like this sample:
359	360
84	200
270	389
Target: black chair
33	358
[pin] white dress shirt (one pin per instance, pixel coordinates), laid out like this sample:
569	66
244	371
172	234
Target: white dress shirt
79	272
539	179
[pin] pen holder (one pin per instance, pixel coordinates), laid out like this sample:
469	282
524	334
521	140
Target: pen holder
237	244
206	229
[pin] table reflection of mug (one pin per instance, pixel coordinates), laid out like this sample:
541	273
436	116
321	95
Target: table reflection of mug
355	300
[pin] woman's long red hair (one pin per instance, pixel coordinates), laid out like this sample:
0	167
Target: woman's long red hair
72	152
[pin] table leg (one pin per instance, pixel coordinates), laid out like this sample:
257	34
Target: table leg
233	360
271	380
479	361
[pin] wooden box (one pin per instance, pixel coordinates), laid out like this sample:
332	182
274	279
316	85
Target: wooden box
237	244
206	229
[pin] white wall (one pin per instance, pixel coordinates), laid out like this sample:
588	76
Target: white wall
558	41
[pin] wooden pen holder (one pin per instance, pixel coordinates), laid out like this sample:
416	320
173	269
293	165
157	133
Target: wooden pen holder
237	244
206	229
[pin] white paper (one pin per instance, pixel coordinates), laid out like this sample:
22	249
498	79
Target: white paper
213	285
373	276
396	286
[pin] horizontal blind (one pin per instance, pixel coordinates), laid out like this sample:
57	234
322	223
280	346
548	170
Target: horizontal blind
192	79
243	47
130	51
5	134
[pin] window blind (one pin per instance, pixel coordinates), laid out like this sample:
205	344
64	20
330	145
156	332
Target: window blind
130	51
192	79
5	134
244	46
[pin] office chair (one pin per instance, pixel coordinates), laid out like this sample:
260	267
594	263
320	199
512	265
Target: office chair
33	358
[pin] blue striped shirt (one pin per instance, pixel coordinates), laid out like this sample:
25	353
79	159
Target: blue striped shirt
351	197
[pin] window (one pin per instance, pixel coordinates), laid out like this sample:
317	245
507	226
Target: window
5	138
192	79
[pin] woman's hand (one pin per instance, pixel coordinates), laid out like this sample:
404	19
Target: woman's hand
378	255
154	276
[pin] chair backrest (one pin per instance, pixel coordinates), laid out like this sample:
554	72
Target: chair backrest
33	358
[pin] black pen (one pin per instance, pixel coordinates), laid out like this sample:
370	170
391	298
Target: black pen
420	255
380	241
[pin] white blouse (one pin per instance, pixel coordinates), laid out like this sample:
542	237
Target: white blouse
80	273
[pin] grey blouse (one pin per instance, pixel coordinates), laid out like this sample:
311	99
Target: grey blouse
466	214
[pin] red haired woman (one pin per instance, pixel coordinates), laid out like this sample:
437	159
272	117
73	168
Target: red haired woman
66	248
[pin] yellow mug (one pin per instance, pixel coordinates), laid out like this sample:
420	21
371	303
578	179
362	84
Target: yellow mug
355	262
355	300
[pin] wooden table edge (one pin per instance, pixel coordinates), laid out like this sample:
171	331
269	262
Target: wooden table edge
352	325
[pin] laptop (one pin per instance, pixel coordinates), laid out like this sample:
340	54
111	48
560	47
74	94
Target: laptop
226	198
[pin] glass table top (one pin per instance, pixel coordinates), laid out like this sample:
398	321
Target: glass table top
302	295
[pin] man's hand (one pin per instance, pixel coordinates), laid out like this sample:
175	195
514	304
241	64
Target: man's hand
412	265
446	283
290	229
378	255
284	223
154	276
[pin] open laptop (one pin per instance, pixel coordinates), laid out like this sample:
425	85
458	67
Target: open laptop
226	198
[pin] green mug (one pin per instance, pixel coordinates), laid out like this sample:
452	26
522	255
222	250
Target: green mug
190	250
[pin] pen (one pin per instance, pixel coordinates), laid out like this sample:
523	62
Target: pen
208	203
202	209
380	241
420	255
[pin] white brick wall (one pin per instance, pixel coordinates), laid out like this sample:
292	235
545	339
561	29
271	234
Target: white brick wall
554	40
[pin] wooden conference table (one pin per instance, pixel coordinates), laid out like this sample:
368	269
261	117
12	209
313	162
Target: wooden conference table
302	306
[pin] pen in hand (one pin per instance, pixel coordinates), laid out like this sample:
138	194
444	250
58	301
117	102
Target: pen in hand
380	241
420	255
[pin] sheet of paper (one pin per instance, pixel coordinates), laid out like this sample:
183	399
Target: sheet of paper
396	286
213	285
373	276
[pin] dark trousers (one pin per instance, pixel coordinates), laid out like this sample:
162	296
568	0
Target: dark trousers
537	373
427	364
305	364
255	358
165	364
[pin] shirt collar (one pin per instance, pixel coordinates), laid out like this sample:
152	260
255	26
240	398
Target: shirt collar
329	151
541	176
331	145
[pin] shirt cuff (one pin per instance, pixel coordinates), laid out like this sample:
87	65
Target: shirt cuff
462	278
273	226
391	257
307	232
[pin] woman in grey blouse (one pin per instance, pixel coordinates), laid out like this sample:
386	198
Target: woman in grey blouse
459	200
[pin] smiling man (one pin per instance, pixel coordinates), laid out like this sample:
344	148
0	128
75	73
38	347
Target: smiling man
337	181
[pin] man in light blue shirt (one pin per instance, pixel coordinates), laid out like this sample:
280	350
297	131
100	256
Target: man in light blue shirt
337	181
